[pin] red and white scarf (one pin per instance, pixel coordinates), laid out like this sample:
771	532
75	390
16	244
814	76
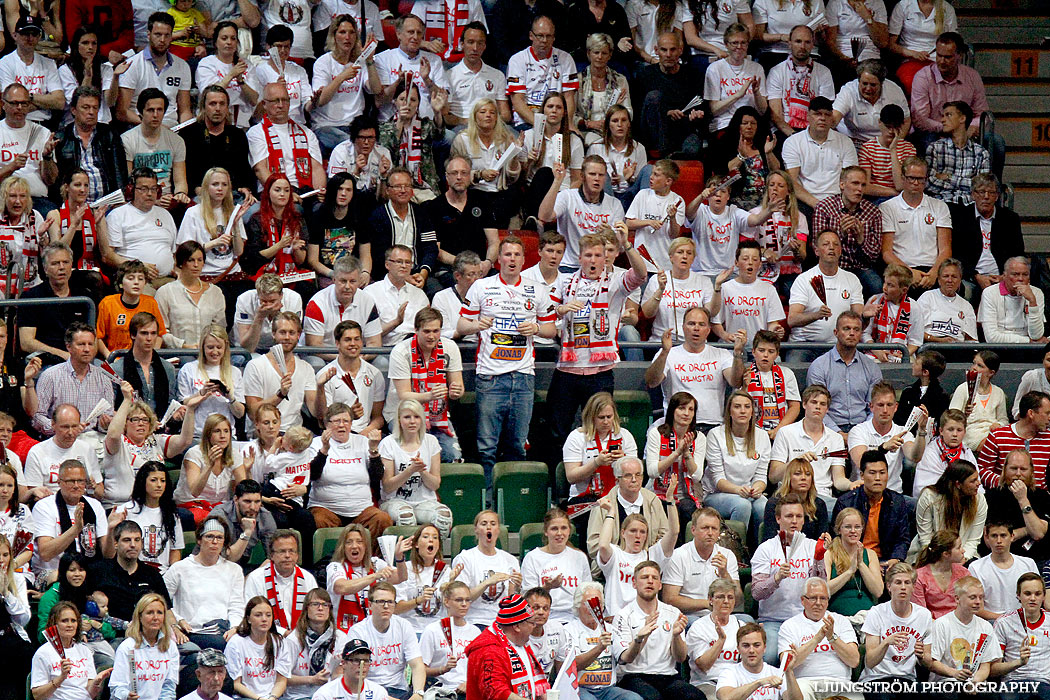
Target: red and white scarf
354	607
758	392
430	606
799	94
447	25
668	444
895	331
21	233
298	596
300	151
428	373
526	676
594	331
410	149
283	263
949	455
602	479
87	231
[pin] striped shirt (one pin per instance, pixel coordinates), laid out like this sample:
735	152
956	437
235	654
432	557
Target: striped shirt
59	384
1000	442
875	158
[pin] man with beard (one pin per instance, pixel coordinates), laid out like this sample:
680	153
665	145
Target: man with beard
1027	509
155	66
215	142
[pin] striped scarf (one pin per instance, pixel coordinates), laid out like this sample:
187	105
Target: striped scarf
354	607
447	24
799	94
758	393
525	675
298	595
895	331
668	444
410	149
300	152
86	234
593	331
426	374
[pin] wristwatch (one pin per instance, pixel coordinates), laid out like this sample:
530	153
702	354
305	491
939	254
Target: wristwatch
1026	510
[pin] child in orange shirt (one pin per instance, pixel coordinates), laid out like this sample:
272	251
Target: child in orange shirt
115	311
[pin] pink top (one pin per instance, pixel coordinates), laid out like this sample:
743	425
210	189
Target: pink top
929	92
930	596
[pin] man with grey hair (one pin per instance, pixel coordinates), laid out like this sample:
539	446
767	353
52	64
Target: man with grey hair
256	309
626	498
465	269
462	221
948	316
1012	311
825	643
984	234
28	148
342	300
71	521
46	332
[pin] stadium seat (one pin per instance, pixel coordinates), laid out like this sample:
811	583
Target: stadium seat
635	409
522	492
463	538
401	530
530	536
748	605
463	490
191	543
561	484
173	477
691	181
258	555
325	539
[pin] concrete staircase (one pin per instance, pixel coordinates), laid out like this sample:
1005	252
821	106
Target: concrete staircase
1014	60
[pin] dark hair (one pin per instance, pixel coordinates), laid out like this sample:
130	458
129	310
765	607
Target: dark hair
766	336
344	326
279	32
679	398
953	38
963	109
162	17
933	362
729	142
273	638
360	123
225	24
942	542
997	522
426	315
77	596
478	26
148	94
77	327
168	516
332	188
538	591
1031	401
76	62
139	173
118	531
185	250
872	457
140	319
246	486
892	116
990	359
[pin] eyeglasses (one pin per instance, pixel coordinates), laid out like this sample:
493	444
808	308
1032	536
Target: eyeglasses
915	178
318	604
213	536
75	482
384	603
147	188
137	419
736	44
399	187
19	103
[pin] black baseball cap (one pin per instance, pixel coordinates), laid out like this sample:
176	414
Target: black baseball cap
28	23
356	646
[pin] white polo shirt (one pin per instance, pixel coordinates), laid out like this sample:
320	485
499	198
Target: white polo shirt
948	317
842	290
324	313
820	164
914	229
792	441
866	435
388	299
860	118
695	574
467	87
576	217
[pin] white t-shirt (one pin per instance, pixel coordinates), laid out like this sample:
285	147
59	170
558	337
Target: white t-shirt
191	382
40	78
781	16
246	661
477	567
736	676
537	77
700	374
46	523
344	486
695	290
219	487
738	468
44	459
953	643
795	85
348	101
824	661
650	206
294	14
503	349
433	647
70	84
852	26
449	302
153	667
641	15
172	79
716	237
551	154
218	259
146	236
792	441
860	118
31	140
248	304
618	570
842	291
390	65
749	306
297	82
400	367
413	490
369	384
337	690
285	589
916	31
882	622
866	435
548	646
723	80
948	317
391	650
620	285
157	546
212	71
1000	585
539	566
1012	635
785	601
258	149
581	639
364	12
578	448
47	665
914	229
412	588
262	381
712	28
576	217
820	164
700	637
617	161
694	574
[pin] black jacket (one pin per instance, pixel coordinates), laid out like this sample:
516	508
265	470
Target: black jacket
894	520
1007	240
936	401
228	150
107	149
381	235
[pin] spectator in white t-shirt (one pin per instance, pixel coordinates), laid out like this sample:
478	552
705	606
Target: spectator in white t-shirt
444	648
823	643
24	66
141	230
155	66
916	228
959	631
947	315
712	639
27	147
812	318
795	82
754	673
591	642
999	570
394	643
896	632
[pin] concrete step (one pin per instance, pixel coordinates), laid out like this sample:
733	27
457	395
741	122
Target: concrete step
1036	235
1024	131
995	29
1031	200
963	7
993	62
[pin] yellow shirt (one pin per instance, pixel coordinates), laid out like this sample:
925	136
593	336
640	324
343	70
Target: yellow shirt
185	20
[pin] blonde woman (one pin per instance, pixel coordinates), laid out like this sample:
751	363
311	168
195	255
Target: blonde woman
339	83
914	27
600	88
737	463
22	231
591	449
412	472
798	478
557	566
689	287
209	471
353	571
206	224
783	230
484	142
150	650
854	573
212	376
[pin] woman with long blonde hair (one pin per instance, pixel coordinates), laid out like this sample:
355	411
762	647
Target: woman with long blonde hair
798	478
737	463
213	376
339	83
854	574
412	472
557	566
14	642
784	229
210	469
148	646
206	224
22	231
483	143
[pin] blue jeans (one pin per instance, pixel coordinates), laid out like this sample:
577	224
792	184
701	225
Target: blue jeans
328	137
504	405
640	183
631	334
450	451
734	507
609	692
772	635
870	282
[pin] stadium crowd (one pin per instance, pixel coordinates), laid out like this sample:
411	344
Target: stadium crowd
243	180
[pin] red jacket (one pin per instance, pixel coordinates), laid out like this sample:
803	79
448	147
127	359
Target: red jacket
488	668
113	19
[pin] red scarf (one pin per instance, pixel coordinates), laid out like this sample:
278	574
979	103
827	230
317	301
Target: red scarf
354	607
668	444
87	231
447	25
410	149
300	152
298	597
283	263
594	332
602	479
430	605
949	455
426	374
799	95
522	672
895	331
757	392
